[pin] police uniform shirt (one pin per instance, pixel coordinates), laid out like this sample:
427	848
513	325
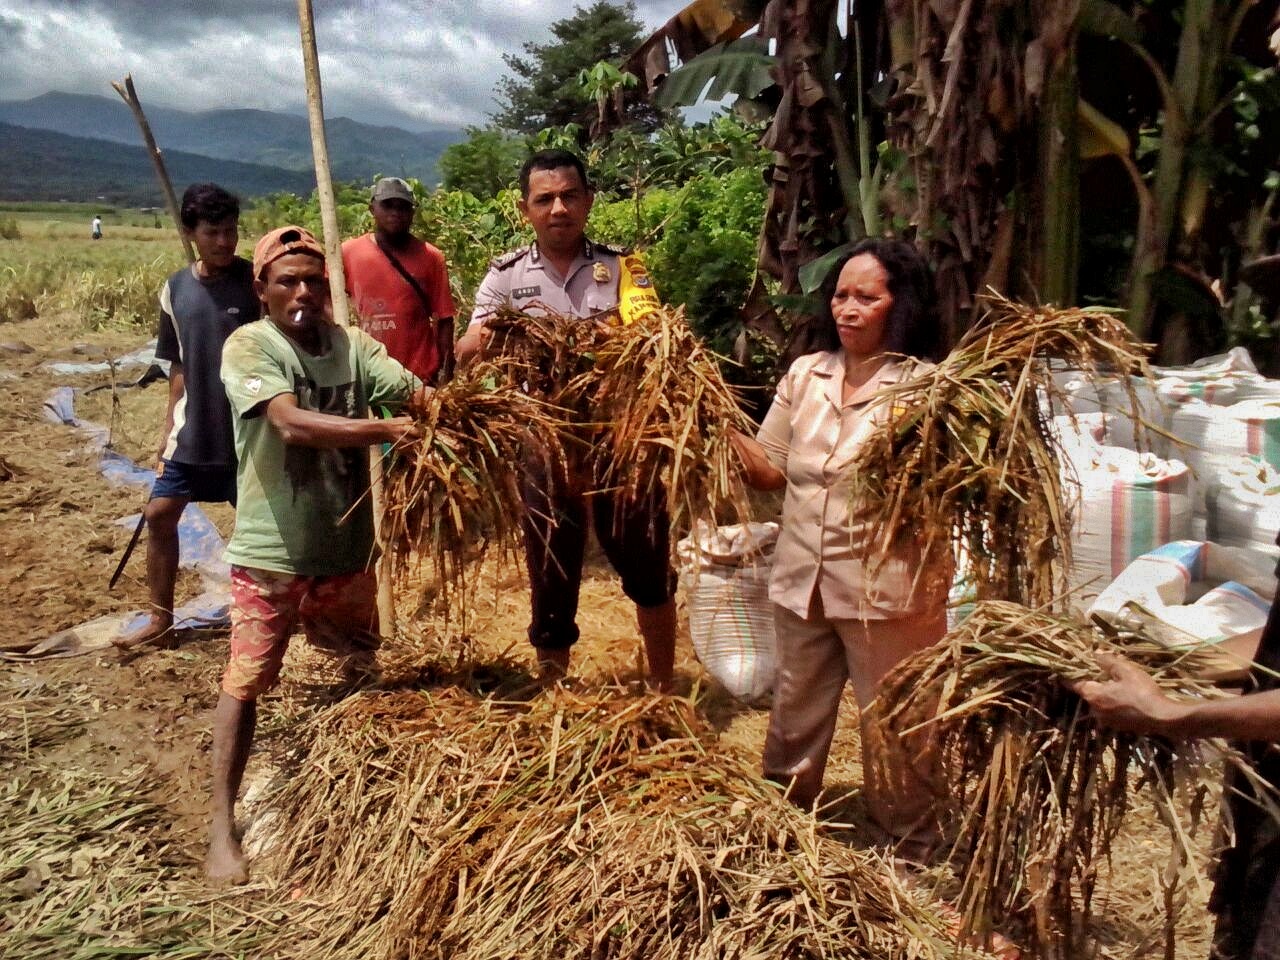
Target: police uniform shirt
524	278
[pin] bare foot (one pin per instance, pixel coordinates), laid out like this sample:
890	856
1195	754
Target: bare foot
155	631
553	664
225	863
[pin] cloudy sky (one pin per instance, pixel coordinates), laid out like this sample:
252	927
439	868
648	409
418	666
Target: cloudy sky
412	64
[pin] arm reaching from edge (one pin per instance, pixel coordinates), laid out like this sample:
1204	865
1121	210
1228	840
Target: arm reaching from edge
1131	701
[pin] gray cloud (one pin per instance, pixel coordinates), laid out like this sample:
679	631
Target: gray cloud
402	62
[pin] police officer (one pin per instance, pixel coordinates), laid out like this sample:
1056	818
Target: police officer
565	272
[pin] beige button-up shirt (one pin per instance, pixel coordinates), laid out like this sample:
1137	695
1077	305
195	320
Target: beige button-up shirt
812	435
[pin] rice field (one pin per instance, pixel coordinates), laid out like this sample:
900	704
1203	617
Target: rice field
607	796
52	267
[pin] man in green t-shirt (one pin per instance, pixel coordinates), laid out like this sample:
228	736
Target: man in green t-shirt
300	389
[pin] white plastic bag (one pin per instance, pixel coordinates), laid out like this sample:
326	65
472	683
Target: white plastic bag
725	575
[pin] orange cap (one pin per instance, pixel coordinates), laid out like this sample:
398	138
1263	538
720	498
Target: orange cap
281	242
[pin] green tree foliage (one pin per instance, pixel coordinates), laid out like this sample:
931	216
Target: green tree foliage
546	91
484	164
691	199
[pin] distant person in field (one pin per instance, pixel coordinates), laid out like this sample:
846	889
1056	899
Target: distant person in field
302	551
400	285
95	228
200	306
565	272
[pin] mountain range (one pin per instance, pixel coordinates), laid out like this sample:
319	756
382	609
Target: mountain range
65	146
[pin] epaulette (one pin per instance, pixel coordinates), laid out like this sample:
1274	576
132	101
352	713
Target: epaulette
616	249
507	259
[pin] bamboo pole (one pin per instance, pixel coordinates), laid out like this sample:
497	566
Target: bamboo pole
337	278
130	96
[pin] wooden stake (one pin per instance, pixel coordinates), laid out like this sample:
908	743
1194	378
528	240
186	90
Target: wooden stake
130	96
337	280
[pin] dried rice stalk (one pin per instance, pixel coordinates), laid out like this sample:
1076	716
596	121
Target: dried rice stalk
968	458
665	415
452	492
1042	789
442	824
650	409
545	351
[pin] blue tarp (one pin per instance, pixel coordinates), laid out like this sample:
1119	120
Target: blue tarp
201	545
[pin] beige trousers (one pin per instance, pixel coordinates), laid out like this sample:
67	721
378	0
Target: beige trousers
814	659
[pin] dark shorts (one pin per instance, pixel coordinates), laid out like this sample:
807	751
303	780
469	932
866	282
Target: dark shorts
634	537
201	484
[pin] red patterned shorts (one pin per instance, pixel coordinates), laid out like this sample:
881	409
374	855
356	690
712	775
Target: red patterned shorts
339	614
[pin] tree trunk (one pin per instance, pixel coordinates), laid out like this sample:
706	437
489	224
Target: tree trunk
1151	247
1056	259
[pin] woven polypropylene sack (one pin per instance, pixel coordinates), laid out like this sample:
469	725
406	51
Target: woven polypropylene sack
1203	592
1243	504
1124	504
725	575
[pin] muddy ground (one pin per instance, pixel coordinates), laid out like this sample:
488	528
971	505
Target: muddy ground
134	733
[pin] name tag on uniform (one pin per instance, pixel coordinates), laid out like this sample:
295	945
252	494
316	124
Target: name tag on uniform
522	293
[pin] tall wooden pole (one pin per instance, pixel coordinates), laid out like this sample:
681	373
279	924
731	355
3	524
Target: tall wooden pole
130	96
337	278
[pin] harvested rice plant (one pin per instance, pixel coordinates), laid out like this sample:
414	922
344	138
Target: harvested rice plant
1065	154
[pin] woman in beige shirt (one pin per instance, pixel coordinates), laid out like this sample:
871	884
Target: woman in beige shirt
840	613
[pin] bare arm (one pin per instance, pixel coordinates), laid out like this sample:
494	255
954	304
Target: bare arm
758	470
471	345
177	387
306	428
444	347
1132	702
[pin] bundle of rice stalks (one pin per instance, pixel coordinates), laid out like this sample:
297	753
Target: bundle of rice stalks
1041	788
441	824
665	415
968	458
452	490
651	410
545	351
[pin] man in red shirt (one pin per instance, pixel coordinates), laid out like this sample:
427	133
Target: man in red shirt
400	286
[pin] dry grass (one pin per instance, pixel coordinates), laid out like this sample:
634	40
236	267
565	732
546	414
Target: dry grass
452	491
648	410
88	868
434	822
1041	789
969	459
665	415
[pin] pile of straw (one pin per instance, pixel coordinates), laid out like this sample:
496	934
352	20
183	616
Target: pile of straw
438	823
88	867
1041	789
969	460
451	491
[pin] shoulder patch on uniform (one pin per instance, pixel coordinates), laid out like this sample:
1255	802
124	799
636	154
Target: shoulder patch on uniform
615	248
507	259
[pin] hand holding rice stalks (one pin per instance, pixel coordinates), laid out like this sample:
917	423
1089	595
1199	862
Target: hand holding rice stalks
968	457
1041	788
451	489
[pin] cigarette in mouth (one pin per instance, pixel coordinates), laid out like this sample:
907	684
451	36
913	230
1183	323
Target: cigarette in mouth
297	317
